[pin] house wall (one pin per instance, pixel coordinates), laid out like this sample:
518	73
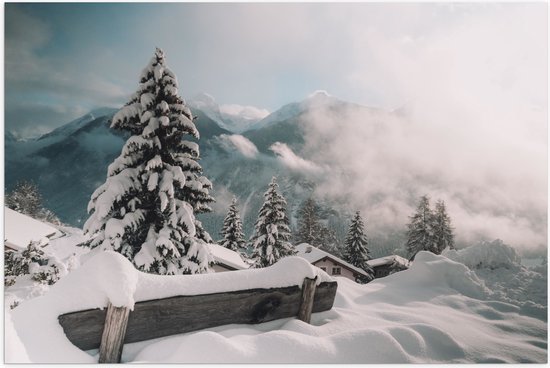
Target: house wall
329	265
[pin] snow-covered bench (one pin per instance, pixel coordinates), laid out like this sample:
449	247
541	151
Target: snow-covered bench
290	288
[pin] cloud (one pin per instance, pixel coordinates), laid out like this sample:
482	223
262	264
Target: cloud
45	91
292	161
247	112
239	143
32	119
473	131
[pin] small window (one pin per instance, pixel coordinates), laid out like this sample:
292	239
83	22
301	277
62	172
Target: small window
323	268
336	271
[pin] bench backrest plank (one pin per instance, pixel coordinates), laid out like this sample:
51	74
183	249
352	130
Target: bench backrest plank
164	317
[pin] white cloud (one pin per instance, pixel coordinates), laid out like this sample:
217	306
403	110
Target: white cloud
246	112
473	131
292	161
240	143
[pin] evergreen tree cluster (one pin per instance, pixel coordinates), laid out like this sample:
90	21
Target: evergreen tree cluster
146	208
429	230
25	198
31	261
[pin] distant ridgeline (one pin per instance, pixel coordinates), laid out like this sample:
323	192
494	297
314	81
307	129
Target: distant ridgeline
70	162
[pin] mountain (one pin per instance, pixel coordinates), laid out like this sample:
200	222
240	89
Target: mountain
208	106
234	118
69	163
240	118
9	137
315	100
73	126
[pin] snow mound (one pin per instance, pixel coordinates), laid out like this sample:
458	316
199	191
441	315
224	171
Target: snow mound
438	311
441	276
109	276
14	349
491	255
414	316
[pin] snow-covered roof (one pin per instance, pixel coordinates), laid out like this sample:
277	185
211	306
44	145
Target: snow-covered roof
227	257
388	260
313	254
21	229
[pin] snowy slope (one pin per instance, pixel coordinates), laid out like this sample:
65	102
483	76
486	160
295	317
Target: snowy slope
315	100
208	105
438	311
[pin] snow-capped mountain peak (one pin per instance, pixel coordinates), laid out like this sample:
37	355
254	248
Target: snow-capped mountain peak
204	99
233	117
313	100
320	93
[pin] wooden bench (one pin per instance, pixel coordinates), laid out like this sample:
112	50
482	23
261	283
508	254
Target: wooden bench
109	329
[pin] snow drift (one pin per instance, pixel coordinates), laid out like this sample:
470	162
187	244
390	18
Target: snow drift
438	311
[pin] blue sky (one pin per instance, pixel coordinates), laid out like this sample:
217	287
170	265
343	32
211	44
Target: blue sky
64	59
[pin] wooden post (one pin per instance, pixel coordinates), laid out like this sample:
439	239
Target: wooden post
306	304
114	330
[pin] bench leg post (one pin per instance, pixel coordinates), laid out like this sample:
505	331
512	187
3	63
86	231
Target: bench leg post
114	331
306	304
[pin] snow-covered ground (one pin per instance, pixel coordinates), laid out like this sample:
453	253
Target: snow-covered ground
444	309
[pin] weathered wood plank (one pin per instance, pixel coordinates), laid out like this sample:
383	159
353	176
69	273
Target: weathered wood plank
306	302
114	331
164	317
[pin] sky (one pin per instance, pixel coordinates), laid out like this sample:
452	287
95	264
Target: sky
64	59
469	79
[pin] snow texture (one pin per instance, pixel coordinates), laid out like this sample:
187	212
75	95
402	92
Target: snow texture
109	276
437	311
227	256
21	229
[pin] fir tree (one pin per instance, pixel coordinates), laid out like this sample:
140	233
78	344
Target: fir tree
25	198
442	229
420	230
232	232
272	233
145	209
357	252
309	229
329	241
312	231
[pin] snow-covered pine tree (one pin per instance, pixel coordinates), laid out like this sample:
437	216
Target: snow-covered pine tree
442	229
270	241
312	231
25	198
420	230
357	252
309	229
232	232
145	209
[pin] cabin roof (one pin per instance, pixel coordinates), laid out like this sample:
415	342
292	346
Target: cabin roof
316	255
227	257
388	260
20	229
